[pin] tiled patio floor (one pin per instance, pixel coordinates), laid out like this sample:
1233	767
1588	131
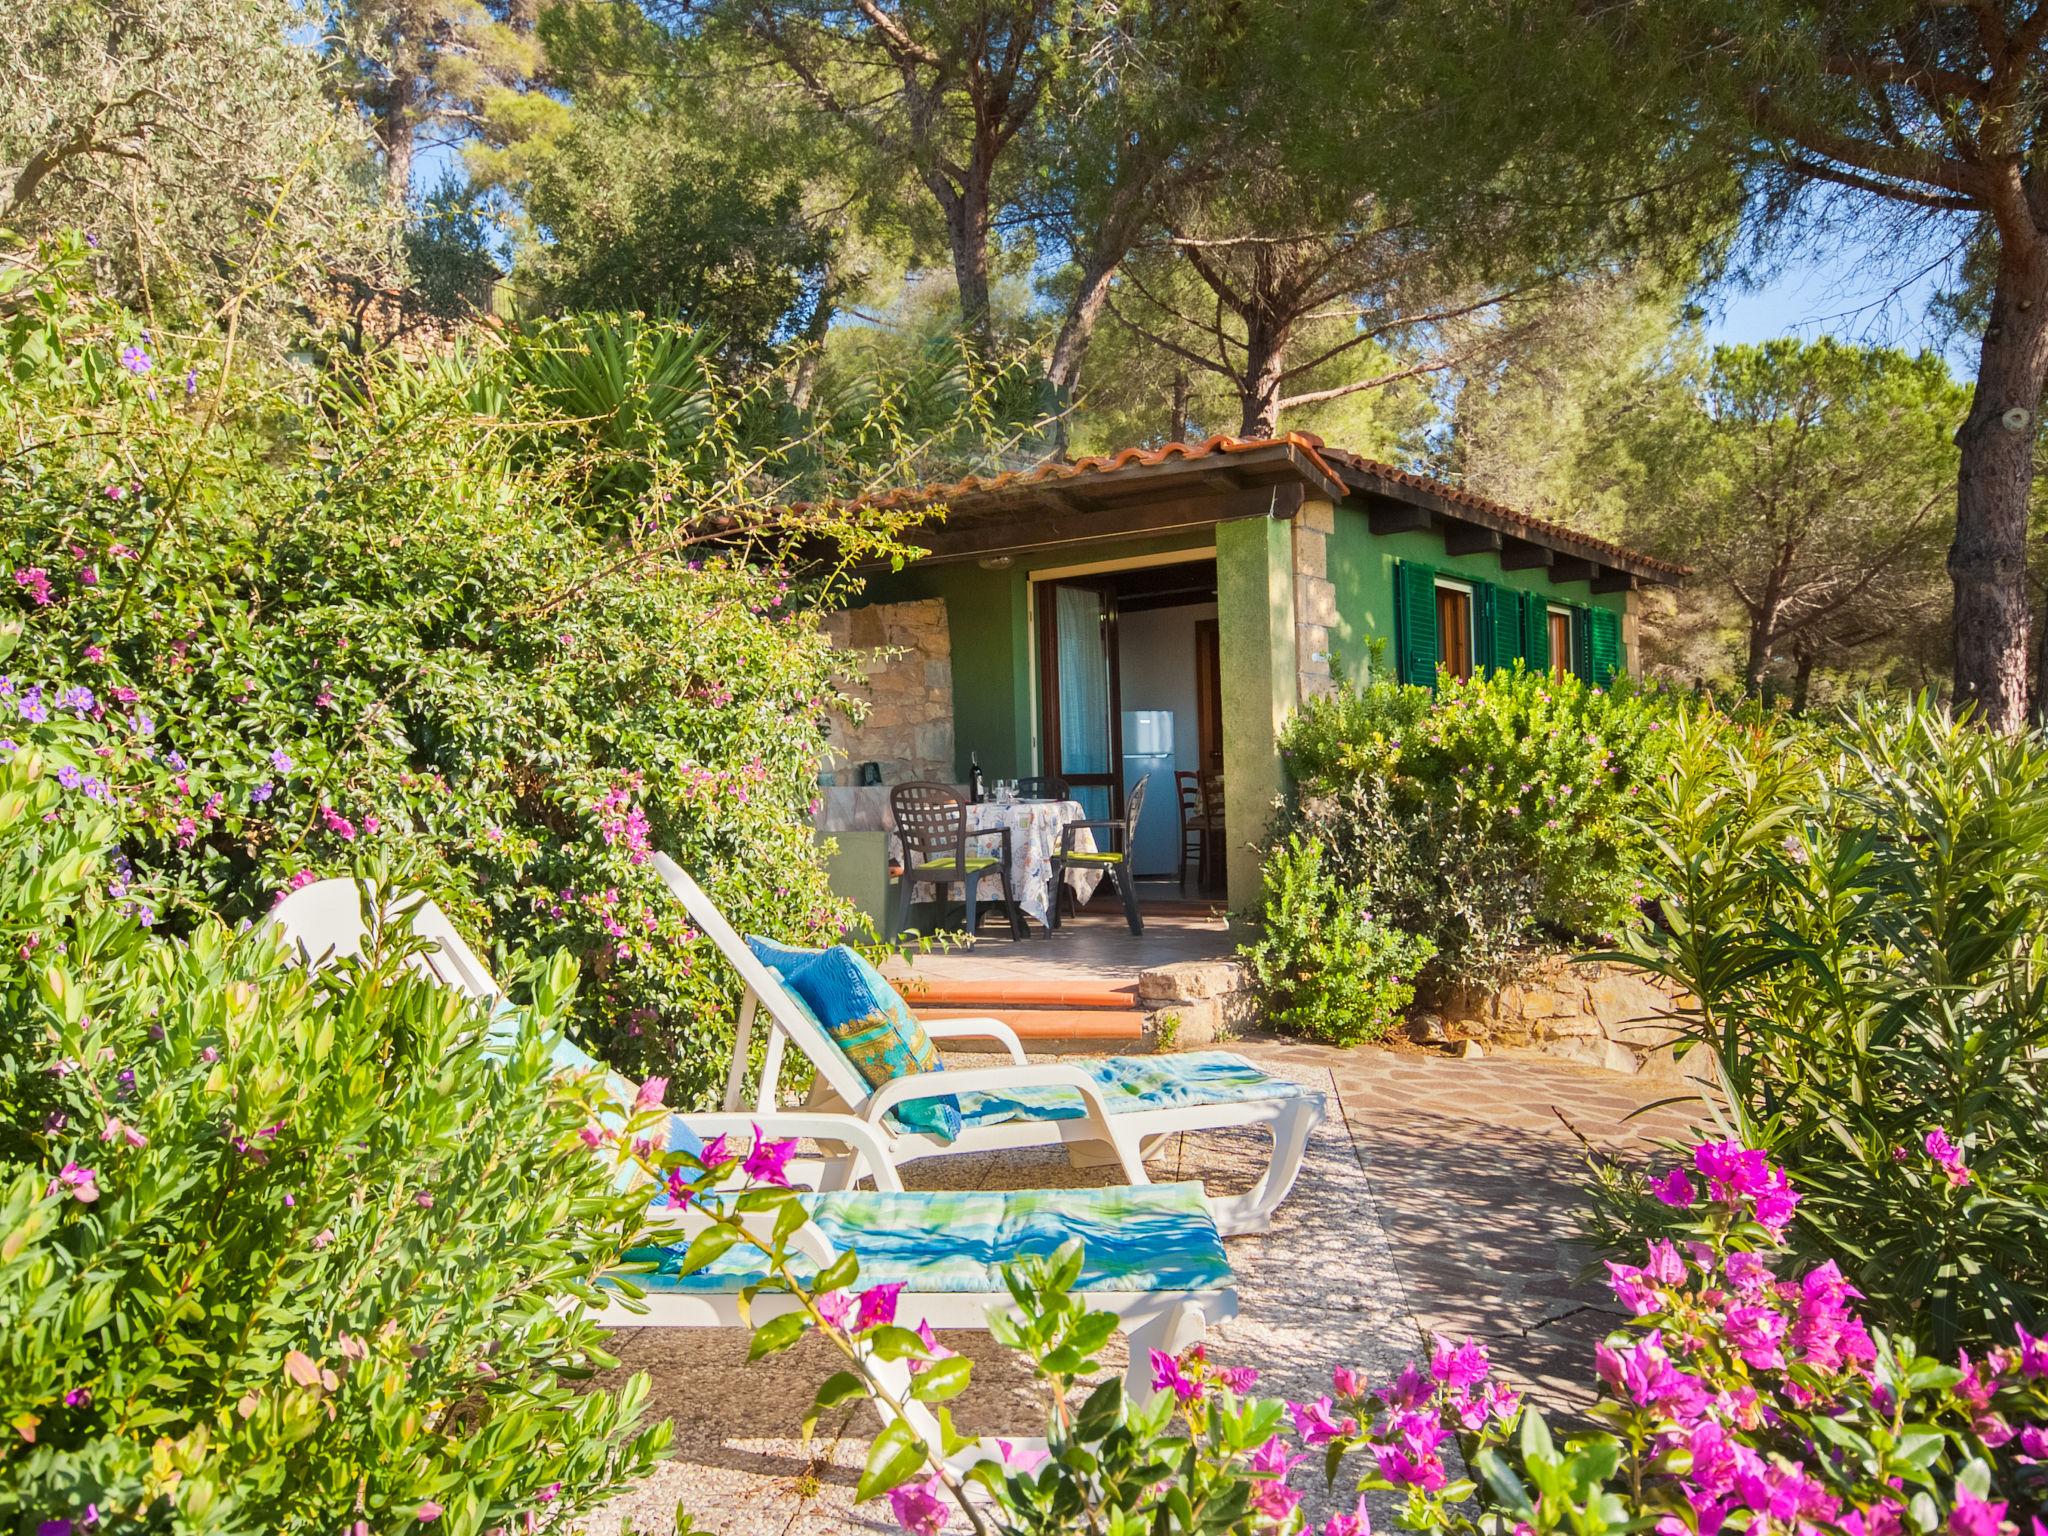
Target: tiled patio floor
1438	1196
1096	946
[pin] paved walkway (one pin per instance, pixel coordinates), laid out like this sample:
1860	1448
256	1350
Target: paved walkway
1437	1197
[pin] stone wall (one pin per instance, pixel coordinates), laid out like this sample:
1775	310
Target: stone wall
1315	598
1604	1015
899	658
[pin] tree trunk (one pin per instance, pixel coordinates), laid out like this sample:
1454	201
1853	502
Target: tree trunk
967	231
1802	681
1265	359
1762	622
806	380
1177	427
2039	711
392	111
1988	560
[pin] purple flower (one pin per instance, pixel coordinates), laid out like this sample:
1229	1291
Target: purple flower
69	776
1755	1333
1410	1389
136	361
1973	1516
82	1184
281	760
714	1152
2033	1353
1664	1265
30	706
1273	1460
918	1507
262	791
36	581
191	382
1405	1471
767	1160
681	1191
78	700
878	1306
1239	1378
836	1308
1357	1523
1347	1382
1632	1289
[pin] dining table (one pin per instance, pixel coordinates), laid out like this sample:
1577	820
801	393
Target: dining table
1035	827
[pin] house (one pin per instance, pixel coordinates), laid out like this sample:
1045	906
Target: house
1063	611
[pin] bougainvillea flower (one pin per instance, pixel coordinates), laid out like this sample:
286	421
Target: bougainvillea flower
714	1151
2033	1353
933	1348
835	1307
920	1508
1167	1376
768	1160
1755	1333
1674	1189
878	1305
1664	1264
1463	1365
1021	1458
1632	1289
1409	1389
1272	1458
1315	1424
681	1191
1276	1501
651	1093
1239	1378
1973	1516
429	1512
1747	1271
1347	1382
1405	1471
1357	1523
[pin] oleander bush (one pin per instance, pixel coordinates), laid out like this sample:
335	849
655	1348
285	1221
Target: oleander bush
1485	816
1861	912
1324	967
509	618
281	1253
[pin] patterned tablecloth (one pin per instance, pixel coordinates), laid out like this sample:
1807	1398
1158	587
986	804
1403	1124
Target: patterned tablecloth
1034	840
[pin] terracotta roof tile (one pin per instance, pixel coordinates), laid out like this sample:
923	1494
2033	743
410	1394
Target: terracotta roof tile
1331	461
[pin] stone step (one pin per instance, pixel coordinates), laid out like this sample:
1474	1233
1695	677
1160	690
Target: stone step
1050	1028
972	996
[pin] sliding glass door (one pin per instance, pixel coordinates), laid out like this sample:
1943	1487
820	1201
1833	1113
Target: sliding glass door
1079	710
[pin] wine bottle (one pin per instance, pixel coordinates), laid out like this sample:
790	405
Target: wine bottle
974	783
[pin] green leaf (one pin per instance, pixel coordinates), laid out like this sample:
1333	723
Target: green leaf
941	1379
777	1334
892	1343
896	1456
706	1248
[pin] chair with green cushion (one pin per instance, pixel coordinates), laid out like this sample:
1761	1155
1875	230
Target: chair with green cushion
931	820
1114	860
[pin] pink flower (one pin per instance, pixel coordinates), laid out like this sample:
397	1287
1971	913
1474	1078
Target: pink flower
1021	1458
878	1306
933	1348
1167	1376
1973	1516
1348	1383
1275	1500
836	1308
1674	1189
1948	1156
1405	1471
429	1512
1664	1265
650	1094
1755	1332
1272	1457
2033	1353
1239	1378
1462	1366
714	1152
681	1191
1632	1289
918	1507
2033	1443
118	1131
1357	1523
1409	1389
82	1184
1314	1423
767	1160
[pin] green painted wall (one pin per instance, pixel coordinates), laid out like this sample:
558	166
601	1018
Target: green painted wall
1362	570
1255	633
988	613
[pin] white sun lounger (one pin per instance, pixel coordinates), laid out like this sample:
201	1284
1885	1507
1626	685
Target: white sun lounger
1130	1104
1153	1256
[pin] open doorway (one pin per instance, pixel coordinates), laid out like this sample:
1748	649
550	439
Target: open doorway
1130	689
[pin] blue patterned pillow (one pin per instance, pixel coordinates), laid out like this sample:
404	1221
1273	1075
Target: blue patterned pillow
870	1023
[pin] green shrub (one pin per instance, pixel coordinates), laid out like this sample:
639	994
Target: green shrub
1324	967
1485	816
281	1253
1862	913
507	619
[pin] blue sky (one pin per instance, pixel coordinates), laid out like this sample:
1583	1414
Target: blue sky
1851	291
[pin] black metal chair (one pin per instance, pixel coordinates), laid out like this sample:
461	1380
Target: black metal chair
931	820
1042	787
1201	823
1114	861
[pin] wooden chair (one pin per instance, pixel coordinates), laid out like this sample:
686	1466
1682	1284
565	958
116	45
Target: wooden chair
1201	822
1114	861
1042	787
931	819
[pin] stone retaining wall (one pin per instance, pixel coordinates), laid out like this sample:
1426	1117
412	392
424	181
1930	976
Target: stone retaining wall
900	660
1604	1015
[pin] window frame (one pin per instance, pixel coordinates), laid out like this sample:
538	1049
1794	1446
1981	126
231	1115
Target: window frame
1443	583
1565	665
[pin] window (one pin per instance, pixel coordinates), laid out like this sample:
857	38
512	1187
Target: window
1454	630
1560	642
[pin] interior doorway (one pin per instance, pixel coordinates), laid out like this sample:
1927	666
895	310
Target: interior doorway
1130	689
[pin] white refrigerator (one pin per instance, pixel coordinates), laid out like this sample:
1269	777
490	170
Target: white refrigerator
1148	749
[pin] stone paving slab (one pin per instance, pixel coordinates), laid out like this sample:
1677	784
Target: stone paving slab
1438	1196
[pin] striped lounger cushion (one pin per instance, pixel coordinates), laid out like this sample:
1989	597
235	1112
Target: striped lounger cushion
1173	1081
1158	1237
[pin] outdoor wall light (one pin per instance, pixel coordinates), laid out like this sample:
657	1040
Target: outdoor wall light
994	562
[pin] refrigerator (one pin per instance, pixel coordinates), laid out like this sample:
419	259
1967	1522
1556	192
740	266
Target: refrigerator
1148	749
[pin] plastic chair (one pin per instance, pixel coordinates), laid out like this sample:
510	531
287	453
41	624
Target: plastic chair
931	820
1114	861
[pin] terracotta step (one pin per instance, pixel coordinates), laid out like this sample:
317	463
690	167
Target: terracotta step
962	996
1051	1024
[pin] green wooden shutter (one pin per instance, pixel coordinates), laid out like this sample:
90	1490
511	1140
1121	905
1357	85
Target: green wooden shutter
1582	645
1415	623
1506	627
1603	643
1536	631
